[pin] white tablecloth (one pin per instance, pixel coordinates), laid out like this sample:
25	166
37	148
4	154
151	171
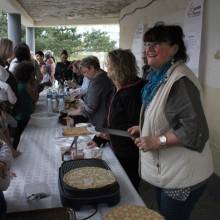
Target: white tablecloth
39	163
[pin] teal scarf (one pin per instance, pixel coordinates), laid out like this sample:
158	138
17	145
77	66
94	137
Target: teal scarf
155	80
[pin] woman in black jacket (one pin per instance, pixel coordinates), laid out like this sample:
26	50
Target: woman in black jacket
124	109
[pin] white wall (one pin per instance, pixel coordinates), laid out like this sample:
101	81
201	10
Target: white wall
211	77
172	11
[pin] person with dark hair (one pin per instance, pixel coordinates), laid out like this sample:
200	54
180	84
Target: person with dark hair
27	95
124	109
81	81
40	58
40	53
45	70
97	98
21	53
173	133
63	69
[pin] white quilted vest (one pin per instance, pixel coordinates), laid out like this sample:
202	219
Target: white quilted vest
177	166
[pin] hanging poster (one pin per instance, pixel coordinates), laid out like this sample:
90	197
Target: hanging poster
137	47
193	23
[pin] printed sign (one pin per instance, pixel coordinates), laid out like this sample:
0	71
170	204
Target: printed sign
193	31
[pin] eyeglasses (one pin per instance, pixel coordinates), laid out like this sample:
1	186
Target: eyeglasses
151	44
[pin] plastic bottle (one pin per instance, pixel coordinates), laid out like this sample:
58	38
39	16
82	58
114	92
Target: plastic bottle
66	87
54	105
49	102
61	103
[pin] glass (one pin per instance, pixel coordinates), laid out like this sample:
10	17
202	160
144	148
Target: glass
69	122
151	44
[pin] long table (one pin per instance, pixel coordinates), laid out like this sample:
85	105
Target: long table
39	163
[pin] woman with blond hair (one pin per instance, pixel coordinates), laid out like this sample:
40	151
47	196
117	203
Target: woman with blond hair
124	109
6	53
8	90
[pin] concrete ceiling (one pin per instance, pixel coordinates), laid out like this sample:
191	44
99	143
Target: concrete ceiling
66	12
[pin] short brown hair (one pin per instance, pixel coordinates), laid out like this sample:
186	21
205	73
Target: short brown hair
90	61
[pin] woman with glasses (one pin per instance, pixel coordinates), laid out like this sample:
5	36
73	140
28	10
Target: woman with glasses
173	134
97	98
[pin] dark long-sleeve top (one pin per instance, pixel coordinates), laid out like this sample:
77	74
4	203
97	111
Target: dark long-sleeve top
97	99
185	114
123	113
63	71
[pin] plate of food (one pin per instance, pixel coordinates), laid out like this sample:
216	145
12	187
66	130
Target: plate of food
132	212
76	131
89	178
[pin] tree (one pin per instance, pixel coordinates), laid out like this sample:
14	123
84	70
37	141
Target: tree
97	41
57	39
3	25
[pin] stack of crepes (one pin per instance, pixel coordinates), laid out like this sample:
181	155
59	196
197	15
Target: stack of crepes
76	131
132	212
89	178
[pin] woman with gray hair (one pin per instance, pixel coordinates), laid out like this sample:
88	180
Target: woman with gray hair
97	98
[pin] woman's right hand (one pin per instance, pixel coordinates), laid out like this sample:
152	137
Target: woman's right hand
134	131
103	135
91	144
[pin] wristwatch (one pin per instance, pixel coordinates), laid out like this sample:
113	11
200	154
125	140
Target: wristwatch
163	140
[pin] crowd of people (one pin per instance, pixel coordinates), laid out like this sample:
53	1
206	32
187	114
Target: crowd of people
168	151
22	77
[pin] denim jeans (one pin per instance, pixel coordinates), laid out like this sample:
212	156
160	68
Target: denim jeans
3	206
173	209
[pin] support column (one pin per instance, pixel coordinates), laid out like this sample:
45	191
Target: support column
14	27
30	38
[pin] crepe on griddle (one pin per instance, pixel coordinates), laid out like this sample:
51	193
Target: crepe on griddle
89	178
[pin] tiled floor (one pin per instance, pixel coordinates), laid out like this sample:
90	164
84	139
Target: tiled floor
207	208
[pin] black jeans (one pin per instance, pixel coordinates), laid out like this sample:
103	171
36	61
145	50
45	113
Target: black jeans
130	166
3	206
173	209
